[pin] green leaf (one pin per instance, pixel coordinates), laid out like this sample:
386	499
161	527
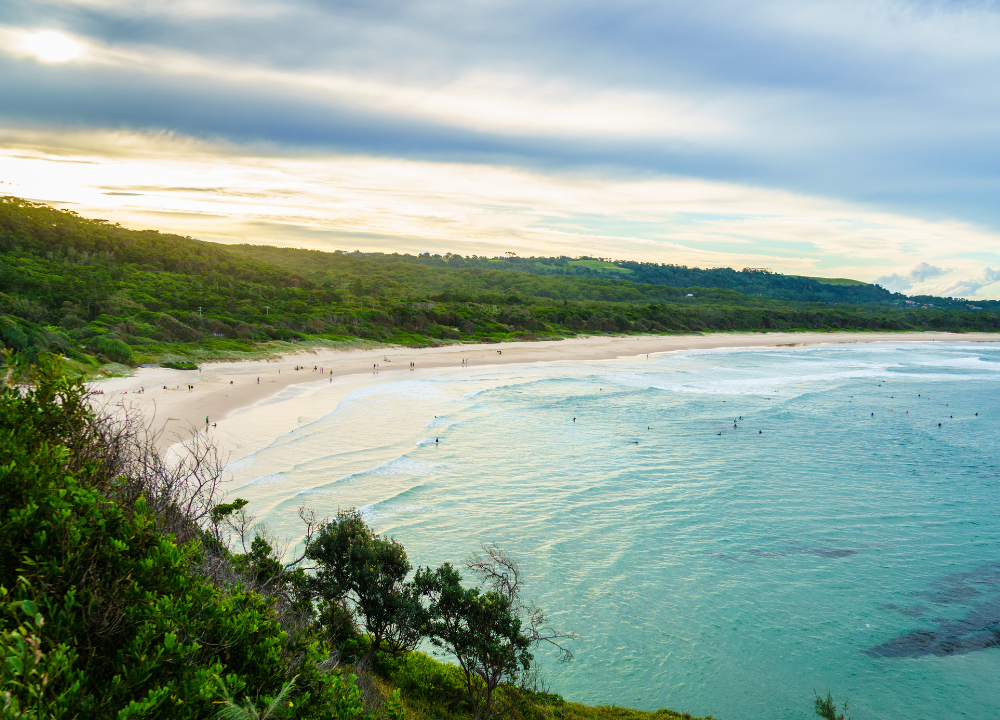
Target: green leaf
29	609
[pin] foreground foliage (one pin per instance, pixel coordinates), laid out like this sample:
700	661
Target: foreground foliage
101	614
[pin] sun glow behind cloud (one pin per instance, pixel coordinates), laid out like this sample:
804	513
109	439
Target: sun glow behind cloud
52	47
224	193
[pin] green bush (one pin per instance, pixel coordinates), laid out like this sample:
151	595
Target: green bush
180	365
113	349
101	615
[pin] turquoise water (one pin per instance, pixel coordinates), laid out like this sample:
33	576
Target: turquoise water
837	538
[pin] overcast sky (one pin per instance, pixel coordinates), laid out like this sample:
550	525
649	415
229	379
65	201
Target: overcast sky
857	139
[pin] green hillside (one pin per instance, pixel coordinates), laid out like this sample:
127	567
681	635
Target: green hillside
97	292
834	281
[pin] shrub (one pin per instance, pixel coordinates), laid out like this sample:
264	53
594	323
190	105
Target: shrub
113	349
102	615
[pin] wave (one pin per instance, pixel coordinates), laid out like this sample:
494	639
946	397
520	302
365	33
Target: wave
442	422
379	509
266	479
399	466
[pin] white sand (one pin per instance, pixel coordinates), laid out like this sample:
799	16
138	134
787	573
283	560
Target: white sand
246	415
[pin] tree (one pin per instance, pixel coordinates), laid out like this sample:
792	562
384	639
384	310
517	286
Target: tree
827	708
367	571
490	630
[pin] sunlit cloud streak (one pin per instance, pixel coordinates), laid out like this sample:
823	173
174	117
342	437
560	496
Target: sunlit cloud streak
222	193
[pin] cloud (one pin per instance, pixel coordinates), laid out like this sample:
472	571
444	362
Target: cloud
964	288
899	283
874	102
237	193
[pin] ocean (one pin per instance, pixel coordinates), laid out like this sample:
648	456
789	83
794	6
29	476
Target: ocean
726	531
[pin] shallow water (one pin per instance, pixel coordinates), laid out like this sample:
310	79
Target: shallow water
836	538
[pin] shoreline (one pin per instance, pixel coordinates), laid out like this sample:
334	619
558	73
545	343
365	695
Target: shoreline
226	389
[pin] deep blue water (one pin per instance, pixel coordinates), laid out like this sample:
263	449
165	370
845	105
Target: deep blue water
837	538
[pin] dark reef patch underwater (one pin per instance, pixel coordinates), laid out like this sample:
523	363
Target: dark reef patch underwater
977	629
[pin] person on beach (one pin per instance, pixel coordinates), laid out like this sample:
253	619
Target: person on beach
258	381
206	420
437	440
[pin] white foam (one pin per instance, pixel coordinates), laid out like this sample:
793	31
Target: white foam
971	363
266	479
415	389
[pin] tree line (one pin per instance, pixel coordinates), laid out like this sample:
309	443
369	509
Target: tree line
95	292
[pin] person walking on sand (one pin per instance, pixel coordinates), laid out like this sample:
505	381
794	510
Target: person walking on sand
206	421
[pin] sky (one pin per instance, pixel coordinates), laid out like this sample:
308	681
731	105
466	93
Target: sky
836	139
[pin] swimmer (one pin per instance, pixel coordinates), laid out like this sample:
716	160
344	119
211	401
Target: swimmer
437	440
760	432
574	419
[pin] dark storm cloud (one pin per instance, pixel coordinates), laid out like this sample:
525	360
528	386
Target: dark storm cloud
886	103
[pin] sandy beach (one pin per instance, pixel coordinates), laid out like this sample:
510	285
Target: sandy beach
249	403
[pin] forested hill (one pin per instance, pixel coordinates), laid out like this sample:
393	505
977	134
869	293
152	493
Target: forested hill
96	292
748	281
